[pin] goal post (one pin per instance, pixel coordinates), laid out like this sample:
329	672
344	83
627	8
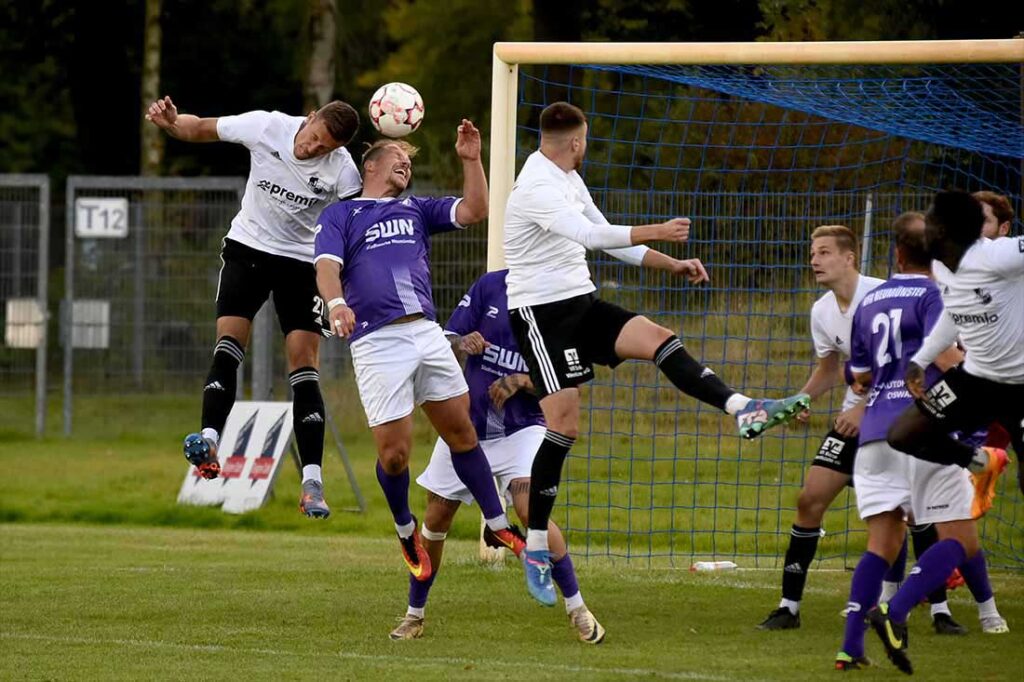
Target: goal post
758	143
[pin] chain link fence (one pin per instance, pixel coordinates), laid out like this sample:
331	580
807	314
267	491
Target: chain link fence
140	282
24	273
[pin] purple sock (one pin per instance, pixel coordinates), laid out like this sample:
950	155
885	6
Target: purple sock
564	575
396	491
418	590
865	588
896	571
931	571
975	573
473	470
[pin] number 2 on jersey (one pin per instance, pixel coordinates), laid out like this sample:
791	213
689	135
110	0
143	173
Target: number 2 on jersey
889	326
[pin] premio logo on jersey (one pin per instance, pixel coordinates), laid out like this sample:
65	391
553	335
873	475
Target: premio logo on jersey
281	194
389	228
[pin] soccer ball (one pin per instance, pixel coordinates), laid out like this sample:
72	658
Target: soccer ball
396	109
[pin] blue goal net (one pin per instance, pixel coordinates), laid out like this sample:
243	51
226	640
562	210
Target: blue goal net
757	157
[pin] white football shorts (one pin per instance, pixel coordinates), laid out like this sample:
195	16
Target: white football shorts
400	366
881	479
940	492
510	458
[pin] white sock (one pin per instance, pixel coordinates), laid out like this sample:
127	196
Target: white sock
413	611
211	434
889	588
498	523
735	403
941	607
987	608
311	472
793	606
406	530
536	540
574	602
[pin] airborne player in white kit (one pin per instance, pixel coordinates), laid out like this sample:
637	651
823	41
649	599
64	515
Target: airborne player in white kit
298	166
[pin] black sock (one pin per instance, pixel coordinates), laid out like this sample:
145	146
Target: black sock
544	477
308	414
803	543
689	376
923	537
221	383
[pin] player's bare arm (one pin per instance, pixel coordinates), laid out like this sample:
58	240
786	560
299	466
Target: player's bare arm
473	207
692	269
328	281
164	115
826	374
507	386
471	344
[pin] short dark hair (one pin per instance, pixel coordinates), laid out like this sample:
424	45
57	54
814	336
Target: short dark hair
910	241
340	119
377	148
1001	208
955	217
561	117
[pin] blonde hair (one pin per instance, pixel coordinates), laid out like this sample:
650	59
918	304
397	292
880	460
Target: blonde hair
846	240
377	148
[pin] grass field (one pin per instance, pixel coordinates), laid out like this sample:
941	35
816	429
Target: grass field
103	576
90	602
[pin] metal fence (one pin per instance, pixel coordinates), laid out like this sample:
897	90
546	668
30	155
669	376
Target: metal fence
24	273
140	281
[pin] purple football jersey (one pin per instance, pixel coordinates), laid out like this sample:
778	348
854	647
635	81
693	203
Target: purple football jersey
384	248
888	328
484	309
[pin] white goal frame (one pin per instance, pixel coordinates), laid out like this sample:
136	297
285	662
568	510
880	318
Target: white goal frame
508	57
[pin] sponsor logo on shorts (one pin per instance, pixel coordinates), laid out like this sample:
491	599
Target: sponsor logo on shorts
938	398
572	358
933	507
831	450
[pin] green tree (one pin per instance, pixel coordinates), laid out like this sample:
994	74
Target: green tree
443	49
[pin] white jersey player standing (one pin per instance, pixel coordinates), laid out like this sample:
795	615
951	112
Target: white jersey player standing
834	262
563	329
298	165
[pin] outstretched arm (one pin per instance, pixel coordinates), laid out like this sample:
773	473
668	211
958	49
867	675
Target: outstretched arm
164	115
652	259
473	207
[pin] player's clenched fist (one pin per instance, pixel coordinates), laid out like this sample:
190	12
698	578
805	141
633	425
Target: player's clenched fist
343	320
676	230
473	344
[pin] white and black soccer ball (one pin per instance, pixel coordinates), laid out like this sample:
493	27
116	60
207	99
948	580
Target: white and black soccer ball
396	109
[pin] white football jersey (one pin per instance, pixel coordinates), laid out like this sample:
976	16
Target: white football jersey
985	300
544	267
284	195
830	326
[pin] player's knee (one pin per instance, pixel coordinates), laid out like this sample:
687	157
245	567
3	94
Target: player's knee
394	459
565	422
810	507
462	438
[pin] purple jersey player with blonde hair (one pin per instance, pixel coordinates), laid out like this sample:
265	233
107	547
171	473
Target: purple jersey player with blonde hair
510	425
373	269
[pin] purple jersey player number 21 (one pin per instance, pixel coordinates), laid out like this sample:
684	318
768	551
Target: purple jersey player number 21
888	328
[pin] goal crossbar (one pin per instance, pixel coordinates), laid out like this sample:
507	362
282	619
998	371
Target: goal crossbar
508	57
